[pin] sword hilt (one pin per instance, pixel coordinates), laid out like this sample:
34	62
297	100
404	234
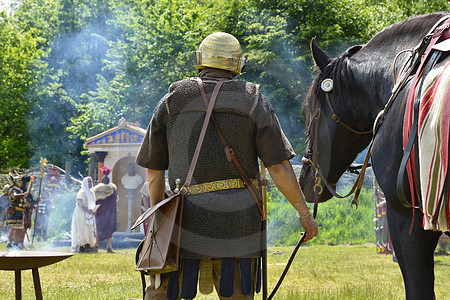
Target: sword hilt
177	182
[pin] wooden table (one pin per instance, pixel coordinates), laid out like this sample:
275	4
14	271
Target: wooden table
25	260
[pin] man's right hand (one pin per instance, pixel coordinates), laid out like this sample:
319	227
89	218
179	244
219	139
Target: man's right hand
310	226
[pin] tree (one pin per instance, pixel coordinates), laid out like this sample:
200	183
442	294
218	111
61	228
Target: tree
72	68
18	50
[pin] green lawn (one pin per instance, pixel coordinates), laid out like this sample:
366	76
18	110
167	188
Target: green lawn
318	272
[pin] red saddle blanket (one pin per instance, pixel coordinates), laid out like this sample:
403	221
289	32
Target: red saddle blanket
433	146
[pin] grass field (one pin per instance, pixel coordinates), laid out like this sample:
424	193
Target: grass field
318	272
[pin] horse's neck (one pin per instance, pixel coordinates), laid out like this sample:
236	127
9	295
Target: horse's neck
372	84
372	69
374	78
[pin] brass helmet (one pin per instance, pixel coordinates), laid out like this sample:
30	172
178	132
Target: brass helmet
14	178
220	50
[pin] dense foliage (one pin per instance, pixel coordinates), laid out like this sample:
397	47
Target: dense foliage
339	223
72	68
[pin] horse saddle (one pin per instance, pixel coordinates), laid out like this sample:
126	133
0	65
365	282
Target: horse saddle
426	138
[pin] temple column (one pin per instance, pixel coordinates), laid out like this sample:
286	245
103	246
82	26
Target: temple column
96	162
92	165
100	163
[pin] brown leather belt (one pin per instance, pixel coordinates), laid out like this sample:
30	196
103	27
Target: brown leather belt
220	185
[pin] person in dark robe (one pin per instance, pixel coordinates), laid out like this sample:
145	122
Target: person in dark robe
106	216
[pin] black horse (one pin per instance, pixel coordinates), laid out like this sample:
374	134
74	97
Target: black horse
362	84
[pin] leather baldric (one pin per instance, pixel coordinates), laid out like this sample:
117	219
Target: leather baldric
228	151
209	110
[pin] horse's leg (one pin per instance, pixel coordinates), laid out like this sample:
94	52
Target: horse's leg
414	251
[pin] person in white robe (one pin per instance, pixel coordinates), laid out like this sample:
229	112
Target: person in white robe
83	221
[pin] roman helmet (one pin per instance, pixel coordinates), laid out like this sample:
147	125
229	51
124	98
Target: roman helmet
14	178
220	50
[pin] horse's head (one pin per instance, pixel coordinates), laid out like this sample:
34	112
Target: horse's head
337	128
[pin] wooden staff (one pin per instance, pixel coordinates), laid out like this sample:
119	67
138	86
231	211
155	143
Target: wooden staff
264	229
43	162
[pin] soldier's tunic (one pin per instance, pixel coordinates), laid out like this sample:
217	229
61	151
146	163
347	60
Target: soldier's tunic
226	223
16	211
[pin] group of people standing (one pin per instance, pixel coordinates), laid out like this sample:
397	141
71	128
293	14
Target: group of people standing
95	215
16	211
94	218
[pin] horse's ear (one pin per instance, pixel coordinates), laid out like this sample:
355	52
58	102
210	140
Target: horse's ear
320	58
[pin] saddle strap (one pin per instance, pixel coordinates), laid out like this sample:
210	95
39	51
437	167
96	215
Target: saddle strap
401	173
230	153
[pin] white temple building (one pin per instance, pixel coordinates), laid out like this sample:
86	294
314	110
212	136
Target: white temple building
117	148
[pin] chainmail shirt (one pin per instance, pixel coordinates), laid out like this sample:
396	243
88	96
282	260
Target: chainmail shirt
222	223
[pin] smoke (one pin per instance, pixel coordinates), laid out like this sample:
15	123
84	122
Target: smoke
58	201
64	202
68	78
81	55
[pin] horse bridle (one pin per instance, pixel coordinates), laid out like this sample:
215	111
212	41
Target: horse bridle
399	81
319	177
335	117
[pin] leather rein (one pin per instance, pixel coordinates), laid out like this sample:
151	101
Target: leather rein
320	179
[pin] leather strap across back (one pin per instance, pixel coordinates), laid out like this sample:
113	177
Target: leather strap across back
229	152
203	133
187	183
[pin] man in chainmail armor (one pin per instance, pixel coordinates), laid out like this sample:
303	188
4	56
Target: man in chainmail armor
221	236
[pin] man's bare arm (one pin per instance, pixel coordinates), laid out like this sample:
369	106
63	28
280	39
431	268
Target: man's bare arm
284	178
156	185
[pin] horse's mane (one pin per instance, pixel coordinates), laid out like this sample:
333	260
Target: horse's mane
338	70
413	26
